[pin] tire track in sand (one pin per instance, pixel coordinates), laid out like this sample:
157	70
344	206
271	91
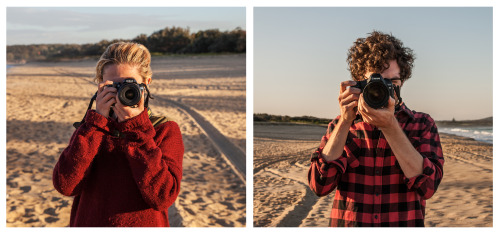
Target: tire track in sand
233	155
300	212
293	216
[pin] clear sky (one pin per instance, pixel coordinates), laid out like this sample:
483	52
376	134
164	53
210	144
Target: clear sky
28	25
300	58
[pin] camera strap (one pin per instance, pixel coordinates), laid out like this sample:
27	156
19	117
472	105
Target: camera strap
146	105
397	88
146	102
78	124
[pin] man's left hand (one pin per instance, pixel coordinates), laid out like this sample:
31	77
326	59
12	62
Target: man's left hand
381	118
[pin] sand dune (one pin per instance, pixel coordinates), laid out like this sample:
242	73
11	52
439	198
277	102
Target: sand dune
282	197
44	99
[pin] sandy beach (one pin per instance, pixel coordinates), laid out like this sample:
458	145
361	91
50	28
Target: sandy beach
282	197
44	99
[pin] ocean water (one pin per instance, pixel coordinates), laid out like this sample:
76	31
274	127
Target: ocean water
484	134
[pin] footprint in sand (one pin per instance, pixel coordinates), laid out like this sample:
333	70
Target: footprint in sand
32	221
11	183
50	211
51	219
25	189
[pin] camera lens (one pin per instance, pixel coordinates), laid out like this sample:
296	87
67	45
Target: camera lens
129	94
376	94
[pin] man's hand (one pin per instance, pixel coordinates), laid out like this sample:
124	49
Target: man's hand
381	118
409	159
348	100
124	112
106	97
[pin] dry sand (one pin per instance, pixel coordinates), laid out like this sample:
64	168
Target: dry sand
282	197
44	99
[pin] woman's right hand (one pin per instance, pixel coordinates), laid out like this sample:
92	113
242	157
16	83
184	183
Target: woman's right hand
105	98
348	100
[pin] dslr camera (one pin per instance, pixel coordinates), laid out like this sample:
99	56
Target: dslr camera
376	90
129	92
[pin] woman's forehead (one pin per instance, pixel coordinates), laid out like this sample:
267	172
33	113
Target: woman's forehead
119	72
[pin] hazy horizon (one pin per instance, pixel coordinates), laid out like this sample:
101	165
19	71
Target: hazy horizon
298	68
332	118
81	25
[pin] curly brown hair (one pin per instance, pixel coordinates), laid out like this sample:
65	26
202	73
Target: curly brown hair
374	53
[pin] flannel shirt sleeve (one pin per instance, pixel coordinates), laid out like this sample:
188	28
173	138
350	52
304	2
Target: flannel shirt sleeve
429	146
324	175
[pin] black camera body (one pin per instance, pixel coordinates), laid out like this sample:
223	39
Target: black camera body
129	92
376	90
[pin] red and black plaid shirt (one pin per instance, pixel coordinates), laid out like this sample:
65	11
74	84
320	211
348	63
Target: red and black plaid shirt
371	187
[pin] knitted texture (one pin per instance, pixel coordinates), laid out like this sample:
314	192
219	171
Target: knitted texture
121	174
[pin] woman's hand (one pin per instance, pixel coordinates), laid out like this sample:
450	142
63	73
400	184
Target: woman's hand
106	97
124	112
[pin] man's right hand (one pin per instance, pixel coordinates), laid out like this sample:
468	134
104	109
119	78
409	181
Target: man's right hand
105	98
348	100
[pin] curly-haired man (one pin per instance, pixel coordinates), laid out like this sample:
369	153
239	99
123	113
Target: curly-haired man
383	162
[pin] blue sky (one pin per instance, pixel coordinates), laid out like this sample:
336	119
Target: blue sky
28	25
300	58
299	52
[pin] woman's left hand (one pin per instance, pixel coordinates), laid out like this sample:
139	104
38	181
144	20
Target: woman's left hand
124	112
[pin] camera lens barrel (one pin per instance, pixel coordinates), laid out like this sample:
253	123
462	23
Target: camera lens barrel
376	91
376	94
129	92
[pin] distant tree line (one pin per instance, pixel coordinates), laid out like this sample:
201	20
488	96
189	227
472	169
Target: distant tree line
488	121
259	117
288	119
170	40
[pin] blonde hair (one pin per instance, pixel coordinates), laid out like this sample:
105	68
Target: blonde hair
125	53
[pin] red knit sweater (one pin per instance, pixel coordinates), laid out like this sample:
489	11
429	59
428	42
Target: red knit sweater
129	180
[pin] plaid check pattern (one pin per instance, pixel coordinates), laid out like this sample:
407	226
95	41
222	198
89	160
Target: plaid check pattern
371	187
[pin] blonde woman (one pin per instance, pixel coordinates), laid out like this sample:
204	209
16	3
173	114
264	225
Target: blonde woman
122	165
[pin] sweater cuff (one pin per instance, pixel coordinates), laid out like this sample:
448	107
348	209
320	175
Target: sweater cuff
97	120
